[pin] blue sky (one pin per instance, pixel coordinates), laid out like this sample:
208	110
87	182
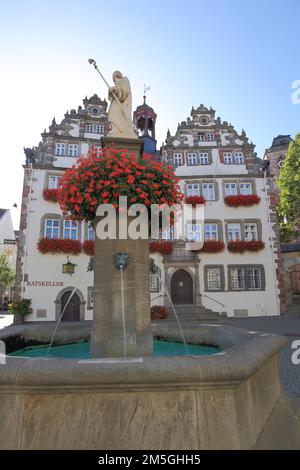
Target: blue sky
238	57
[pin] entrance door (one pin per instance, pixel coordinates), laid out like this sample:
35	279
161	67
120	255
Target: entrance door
182	287
72	311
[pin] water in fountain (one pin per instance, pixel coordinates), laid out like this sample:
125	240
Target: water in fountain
59	320
123	312
175	313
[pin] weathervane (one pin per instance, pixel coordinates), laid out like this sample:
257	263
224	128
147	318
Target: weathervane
146	88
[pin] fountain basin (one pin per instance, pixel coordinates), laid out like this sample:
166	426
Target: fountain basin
230	400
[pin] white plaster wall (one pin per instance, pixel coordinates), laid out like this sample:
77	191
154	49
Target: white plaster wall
48	267
64	162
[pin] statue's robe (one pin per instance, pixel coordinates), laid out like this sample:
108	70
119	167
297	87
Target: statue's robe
119	114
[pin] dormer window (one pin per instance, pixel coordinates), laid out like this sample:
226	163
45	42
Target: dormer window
73	150
60	149
228	159
99	129
177	159
89	128
201	137
238	158
210	137
192	159
203	157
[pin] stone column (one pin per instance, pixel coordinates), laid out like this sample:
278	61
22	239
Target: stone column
107	339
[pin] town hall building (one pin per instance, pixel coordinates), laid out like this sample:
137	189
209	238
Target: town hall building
236	274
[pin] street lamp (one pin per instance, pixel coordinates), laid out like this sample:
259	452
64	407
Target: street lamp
68	267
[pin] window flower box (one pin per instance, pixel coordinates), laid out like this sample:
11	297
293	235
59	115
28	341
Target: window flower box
212	246
161	246
50	195
89	247
59	245
194	200
245	200
240	246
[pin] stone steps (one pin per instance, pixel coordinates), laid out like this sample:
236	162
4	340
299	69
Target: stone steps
193	313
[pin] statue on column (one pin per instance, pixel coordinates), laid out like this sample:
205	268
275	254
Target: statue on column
120	109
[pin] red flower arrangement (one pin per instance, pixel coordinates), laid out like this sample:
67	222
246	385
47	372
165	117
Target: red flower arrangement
240	246
59	245
194	200
50	195
161	246
100	178
212	246
158	312
242	200
89	247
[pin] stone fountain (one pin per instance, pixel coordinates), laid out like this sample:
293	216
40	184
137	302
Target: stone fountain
230	400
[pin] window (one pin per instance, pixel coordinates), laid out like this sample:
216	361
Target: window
178	160
90	297
201	137
236	279
194	232
60	149
90	232
238	158
254	281
70	229
89	128
246	278
73	150
210	232
155	281
193	190
203	158
213	279
53	181
208	190
228	160
99	129
167	234
230	189
250	231
245	188
234	231
210	136
192	159
52	228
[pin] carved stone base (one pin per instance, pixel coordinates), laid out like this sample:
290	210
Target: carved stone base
133	145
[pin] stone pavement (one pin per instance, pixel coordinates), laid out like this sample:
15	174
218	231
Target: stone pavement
285	326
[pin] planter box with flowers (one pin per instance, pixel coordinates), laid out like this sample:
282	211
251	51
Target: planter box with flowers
245	200
50	195
239	246
158	312
161	246
212	246
59	245
89	247
194	200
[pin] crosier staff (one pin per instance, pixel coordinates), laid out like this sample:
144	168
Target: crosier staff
93	62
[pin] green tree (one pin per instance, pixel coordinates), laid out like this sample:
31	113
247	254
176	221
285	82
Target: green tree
7	273
289	183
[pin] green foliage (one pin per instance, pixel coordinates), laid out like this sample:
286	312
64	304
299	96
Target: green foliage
289	183
20	306
7	273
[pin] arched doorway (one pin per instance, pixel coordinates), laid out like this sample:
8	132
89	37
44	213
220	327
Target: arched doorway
72	309
182	287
